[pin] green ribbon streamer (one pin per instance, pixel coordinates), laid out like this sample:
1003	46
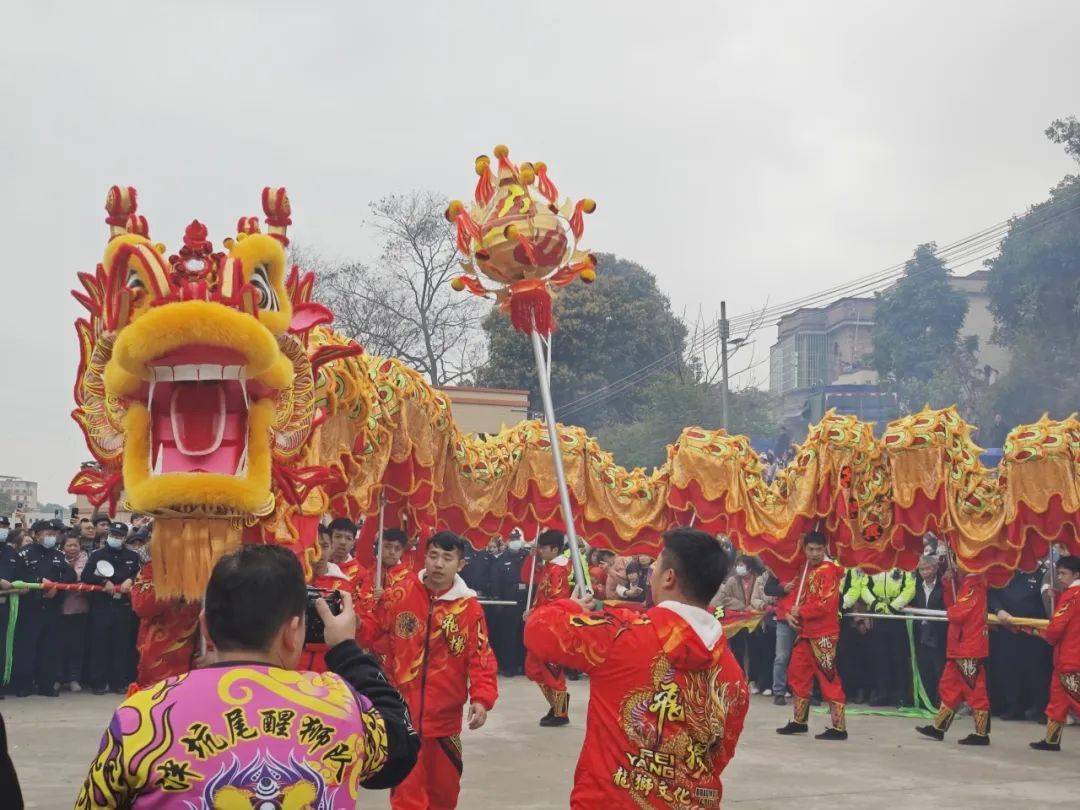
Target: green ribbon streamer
9	642
922	708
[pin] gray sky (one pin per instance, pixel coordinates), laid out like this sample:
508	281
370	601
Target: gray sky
752	151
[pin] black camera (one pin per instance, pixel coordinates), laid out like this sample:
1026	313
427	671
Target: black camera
316	631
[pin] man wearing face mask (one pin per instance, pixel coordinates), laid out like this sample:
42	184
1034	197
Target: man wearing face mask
37	634
112	621
504	621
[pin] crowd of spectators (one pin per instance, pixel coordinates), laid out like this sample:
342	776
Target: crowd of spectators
71	641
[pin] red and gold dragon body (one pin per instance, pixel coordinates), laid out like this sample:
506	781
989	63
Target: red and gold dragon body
214	396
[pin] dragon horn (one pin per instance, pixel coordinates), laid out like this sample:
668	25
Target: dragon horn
275	203
121	204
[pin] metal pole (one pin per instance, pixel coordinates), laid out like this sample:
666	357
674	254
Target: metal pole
378	545
532	572
1050	575
724	332
556	458
802	582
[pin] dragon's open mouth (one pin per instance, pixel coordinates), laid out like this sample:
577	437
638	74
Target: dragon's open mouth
198	400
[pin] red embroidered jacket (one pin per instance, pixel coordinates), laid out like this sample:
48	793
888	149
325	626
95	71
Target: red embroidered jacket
552	580
968	636
819	607
1064	631
665	710
168	631
438	652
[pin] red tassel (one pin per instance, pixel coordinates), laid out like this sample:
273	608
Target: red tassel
577	221
485	188
530	308
544	184
467	230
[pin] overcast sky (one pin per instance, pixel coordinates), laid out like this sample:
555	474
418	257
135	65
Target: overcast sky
750	151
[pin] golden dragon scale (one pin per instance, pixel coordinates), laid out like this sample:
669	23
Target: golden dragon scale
214	395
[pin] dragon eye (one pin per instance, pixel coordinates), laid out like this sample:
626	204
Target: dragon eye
133	281
260	280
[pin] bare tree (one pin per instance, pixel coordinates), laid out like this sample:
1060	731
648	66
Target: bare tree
404	307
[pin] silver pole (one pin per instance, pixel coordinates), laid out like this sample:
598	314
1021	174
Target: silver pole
556	458
532	572
378	547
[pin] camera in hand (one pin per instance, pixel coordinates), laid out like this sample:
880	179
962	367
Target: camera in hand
316	631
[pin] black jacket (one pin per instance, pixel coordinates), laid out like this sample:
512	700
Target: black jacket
125	563
364	675
37	563
504	574
930	634
1022	597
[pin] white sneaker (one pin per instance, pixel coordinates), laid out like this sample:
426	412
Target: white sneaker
754	690
767	693
75	686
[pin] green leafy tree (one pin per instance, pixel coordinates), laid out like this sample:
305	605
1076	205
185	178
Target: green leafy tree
669	406
917	321
1066	131
606	331
1034	291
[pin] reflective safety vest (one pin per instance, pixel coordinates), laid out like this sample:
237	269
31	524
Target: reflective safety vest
889	592
851	589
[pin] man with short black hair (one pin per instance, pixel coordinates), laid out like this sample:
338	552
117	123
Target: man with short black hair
668	668
439	657
964	678
815	615
551	582
1063	633
101	529
250	730
343	544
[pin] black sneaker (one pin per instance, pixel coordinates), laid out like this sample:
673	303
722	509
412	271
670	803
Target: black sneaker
931	732
793	728
1043	745
99	691
551	721
831	734
975	739
779	700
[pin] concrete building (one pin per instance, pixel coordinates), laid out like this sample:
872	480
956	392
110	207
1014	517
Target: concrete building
826	350
486	410
818	347
23	493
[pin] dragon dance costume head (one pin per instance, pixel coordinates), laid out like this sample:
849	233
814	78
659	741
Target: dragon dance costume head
194	385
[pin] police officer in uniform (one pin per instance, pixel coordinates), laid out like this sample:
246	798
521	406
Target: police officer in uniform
112	655
37	633
888	593
505	624
1020	664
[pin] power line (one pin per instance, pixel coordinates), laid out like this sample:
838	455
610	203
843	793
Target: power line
976	247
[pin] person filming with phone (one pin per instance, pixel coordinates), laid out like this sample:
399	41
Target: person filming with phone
250	730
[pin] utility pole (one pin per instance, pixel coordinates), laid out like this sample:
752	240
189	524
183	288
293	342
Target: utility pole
724	333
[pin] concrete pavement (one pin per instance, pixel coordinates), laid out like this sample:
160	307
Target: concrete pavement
512	763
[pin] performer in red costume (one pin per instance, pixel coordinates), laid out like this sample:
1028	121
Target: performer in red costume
968	645
668	699
328	576
395	572
816	616
1064	634
439	658
342	545
168	638
552	582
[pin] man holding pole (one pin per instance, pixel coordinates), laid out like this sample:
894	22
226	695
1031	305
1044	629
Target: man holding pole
966	649
1064	634
815	615
551	582
668	699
